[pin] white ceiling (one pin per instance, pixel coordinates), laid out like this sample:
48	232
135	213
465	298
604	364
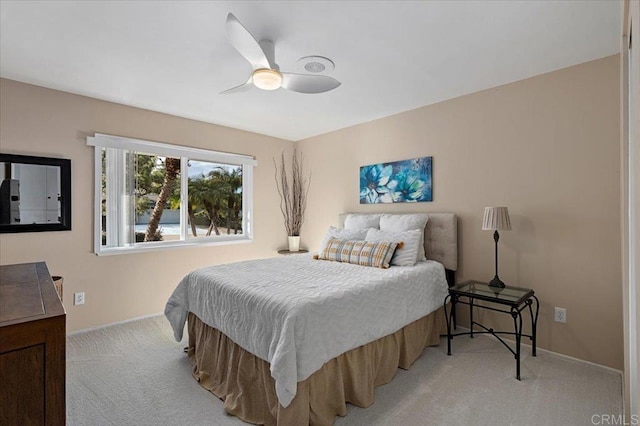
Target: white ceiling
391	56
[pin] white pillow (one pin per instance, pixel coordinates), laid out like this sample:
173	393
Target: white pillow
406	222
362	221
342	234
408	254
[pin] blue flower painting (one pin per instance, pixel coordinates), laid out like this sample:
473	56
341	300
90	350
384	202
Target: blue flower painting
406	181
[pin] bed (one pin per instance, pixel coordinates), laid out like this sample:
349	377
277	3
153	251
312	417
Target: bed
291	340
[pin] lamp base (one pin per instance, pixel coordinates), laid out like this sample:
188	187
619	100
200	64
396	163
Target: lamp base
496	282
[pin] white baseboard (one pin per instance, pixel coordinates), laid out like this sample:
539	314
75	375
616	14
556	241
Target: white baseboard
85	330
550	352
594	364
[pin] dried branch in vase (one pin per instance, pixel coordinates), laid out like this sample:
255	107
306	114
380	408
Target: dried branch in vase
292	188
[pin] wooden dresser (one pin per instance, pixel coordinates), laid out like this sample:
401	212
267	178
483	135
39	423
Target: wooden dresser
32	347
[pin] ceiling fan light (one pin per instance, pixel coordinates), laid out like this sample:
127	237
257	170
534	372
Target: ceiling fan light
267	79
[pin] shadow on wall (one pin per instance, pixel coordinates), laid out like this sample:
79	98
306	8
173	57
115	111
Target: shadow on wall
524	244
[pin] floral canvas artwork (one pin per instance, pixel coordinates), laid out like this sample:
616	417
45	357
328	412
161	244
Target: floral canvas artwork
406	181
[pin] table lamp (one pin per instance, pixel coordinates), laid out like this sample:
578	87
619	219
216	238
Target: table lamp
496	218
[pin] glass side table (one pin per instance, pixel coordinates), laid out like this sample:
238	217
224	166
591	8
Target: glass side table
511	300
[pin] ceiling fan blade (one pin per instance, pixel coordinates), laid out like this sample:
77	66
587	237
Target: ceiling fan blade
242	40
244	87
305	83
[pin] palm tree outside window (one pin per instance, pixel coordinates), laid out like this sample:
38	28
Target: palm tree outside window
149	200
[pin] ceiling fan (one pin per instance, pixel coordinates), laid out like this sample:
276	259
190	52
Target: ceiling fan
266	74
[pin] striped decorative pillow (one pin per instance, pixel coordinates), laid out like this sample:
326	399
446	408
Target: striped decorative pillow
364	253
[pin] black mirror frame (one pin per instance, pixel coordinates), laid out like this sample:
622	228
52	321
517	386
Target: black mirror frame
65	194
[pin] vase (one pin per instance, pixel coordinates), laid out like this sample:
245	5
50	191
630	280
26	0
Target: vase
294	243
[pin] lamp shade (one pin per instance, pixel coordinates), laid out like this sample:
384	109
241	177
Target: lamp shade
496	218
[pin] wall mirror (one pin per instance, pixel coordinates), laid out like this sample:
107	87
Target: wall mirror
35	194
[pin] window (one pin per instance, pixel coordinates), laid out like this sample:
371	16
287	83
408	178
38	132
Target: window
151	195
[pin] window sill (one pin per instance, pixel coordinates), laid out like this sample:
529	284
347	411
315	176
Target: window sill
148	247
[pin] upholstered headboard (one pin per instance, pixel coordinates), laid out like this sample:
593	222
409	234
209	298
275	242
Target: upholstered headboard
440	239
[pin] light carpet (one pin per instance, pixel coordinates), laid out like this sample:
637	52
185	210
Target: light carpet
136	374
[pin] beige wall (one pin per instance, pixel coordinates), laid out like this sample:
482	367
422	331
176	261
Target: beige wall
546	147
43	122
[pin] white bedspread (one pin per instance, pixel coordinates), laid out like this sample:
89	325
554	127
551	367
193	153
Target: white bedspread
297	313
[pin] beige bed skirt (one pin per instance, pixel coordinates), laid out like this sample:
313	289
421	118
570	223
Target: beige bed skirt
243	381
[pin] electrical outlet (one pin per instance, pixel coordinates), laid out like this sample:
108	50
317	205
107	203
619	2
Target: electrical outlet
78	298
560	315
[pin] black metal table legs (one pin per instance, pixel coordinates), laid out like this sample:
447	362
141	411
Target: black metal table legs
450	302
449	316
517	325
534	322
471	318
